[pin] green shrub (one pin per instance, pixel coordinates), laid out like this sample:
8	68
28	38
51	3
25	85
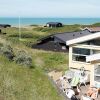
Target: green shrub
28	35
96	24
38	29
1	45
34	25
23	58
7	51
29	44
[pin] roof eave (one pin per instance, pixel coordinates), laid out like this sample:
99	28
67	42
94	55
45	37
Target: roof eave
83	38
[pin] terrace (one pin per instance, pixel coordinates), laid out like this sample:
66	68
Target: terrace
56	78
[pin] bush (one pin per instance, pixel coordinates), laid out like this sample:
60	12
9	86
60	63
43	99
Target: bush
96	25
29	44
23	58
28	35
7	51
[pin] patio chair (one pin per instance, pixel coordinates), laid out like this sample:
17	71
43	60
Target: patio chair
83	79
75	81
82	71
69	74
70	93
64	83
84	97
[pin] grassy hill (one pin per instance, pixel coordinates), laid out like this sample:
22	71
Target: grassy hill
65	28
23	83
30	34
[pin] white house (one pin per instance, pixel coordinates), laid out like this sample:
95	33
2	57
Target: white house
85	52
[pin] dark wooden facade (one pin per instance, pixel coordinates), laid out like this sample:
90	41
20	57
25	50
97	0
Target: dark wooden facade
54	24
5	25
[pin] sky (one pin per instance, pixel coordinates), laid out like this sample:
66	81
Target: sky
50	8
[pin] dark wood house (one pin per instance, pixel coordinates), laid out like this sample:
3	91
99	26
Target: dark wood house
54	24
4	25
57	42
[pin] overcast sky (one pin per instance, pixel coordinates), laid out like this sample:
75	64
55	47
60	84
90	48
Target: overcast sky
50	8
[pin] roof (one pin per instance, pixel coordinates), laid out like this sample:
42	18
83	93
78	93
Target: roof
92	29
71	35
83	38
68	35
54	23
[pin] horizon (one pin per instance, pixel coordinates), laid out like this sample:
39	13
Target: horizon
55	17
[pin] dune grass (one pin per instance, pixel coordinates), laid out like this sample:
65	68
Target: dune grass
31	34
53	60
22	83
65	28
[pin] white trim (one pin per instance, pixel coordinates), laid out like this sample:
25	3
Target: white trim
87	63
83	38
86	28
92	47
93	57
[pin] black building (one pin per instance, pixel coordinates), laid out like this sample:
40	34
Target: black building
0	30
54	24
57	42
4	25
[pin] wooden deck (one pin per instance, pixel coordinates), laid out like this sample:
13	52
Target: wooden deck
84	90
54	76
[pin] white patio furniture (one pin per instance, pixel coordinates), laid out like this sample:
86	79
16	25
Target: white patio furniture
64	83
70	93
83	79
69	74
86	98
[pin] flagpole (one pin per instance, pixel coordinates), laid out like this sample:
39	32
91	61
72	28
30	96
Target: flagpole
19	29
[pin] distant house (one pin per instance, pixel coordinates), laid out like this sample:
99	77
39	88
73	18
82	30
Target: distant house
92	29
0	30
54	24
57	42
4	25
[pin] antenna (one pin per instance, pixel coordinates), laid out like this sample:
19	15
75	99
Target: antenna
19	29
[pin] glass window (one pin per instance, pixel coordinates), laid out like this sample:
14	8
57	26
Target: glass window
81	51
80	54
79	58
95	42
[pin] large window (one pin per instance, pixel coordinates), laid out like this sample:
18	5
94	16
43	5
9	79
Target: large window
80	54
95	42
96	51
